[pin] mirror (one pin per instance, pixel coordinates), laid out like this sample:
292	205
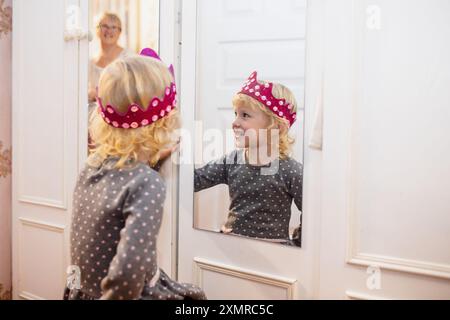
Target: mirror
119	28
238	190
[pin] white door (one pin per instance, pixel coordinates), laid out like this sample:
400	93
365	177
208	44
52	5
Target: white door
47	106
223	42
385	164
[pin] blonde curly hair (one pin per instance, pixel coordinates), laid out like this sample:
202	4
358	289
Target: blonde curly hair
134	79
279	91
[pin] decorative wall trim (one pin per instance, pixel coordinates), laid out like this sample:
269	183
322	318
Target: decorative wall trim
42	225
29	296
59	229
289	285
353	295
43	202
399	264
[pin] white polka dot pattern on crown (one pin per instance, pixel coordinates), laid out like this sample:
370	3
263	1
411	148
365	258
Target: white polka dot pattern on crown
263	93
135	116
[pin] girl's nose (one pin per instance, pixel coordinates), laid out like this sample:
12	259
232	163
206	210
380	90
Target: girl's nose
236	123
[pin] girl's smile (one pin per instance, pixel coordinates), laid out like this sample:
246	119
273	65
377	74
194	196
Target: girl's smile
247	125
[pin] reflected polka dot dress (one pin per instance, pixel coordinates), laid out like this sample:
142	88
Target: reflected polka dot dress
261	197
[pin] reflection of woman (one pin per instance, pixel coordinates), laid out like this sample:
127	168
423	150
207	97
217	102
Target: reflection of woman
109	29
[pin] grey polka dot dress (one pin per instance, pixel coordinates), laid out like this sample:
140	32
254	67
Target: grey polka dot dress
260	201
115	223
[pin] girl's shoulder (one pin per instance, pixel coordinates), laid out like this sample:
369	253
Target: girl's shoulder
148	175
143	175
138	174
126	53
291	163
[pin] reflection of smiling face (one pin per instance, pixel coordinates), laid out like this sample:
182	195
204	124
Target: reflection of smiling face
247	120
108	31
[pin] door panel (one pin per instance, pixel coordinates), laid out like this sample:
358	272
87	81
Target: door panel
45	146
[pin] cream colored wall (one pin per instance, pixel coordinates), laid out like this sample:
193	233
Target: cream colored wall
5	148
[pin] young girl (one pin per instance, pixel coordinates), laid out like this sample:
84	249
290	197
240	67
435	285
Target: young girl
118	199
260	200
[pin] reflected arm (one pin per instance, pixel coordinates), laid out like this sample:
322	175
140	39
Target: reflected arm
212	174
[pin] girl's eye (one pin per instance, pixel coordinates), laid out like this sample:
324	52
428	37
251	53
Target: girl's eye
243	115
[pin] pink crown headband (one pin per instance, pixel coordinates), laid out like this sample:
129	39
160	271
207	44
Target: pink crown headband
136	116
263	93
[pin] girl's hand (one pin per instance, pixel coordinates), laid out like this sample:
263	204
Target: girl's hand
92	93
166	153
226	230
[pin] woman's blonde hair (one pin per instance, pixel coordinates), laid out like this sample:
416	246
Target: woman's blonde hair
279	91
111	16
134	79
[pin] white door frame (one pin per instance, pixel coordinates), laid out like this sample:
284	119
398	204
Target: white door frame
169	49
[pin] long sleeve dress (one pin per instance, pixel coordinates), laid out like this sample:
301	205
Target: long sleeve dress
116	219
260	200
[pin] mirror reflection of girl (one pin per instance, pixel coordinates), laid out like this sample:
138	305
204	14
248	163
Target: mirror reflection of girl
260	201
118	198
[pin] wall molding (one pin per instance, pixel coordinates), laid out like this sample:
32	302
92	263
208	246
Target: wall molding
29	296
201	265
43	202
19	136
25	222
42	225
399	264
353	295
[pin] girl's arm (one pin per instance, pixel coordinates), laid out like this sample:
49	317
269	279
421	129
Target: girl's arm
135	260
212	174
